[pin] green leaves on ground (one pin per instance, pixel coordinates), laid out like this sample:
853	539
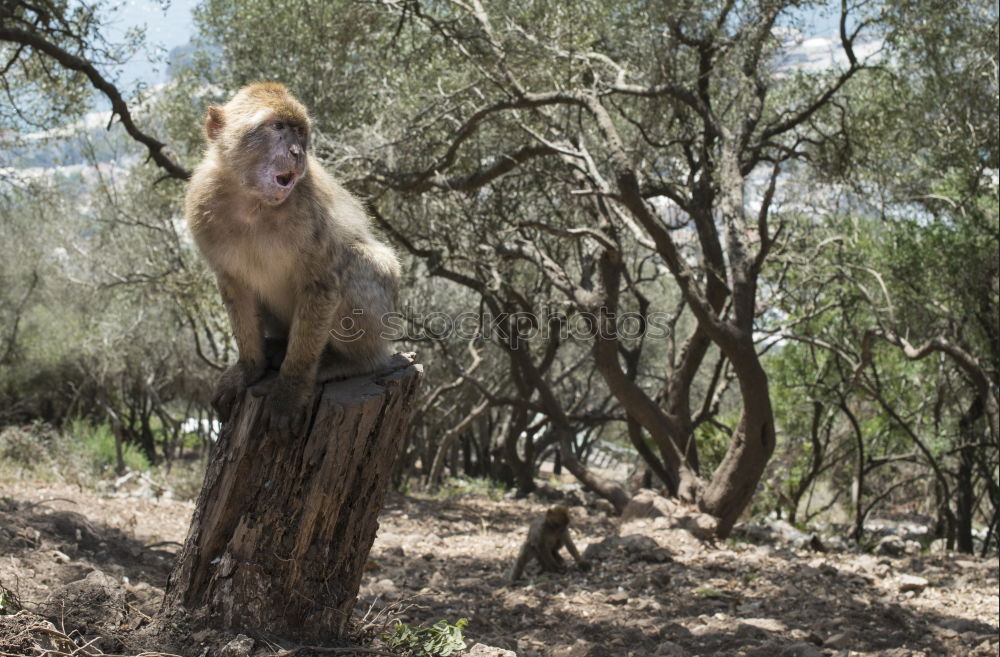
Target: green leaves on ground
439	640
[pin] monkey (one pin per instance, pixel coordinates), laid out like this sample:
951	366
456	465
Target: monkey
546	536
293	256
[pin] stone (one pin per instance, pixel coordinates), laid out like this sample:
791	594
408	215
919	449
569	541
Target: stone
648	504
59	557
580	648
891	546
938	546
701	525
94	606
617	598
384	588
483	650
912	583
801	649
601	550
238	647
840	640
670	649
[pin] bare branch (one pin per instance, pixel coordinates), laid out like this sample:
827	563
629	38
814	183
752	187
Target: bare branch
118	105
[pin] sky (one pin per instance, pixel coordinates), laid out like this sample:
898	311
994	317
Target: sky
166	28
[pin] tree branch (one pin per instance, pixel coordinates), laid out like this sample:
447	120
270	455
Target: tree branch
118	105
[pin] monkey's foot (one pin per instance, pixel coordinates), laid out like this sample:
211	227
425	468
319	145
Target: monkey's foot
285	402
231	386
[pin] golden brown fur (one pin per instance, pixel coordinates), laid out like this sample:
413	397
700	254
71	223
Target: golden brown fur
292	252
546	536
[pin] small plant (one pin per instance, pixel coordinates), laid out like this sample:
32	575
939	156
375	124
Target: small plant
96	445
8	601
456	487
439	640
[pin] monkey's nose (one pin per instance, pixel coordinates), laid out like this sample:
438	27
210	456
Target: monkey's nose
295	150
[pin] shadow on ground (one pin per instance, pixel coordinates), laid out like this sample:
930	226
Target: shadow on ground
447	559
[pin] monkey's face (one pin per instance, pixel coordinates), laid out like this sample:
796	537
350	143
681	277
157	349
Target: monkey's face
262	135
277	154
557	517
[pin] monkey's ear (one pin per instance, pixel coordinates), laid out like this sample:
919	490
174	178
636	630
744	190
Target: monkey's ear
213	122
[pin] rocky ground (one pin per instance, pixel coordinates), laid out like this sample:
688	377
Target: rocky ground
656	588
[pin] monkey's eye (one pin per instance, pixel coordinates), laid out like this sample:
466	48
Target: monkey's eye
278	125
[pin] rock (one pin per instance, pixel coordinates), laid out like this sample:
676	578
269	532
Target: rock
701	525
602	550
801	649
605	507
670	649
648	504
580	648
617	598
660	578
94	605
531	643
59	557
788	532
891	546
637	544
238	647
482	650
384	588
769	625
912	583
752	533
840	640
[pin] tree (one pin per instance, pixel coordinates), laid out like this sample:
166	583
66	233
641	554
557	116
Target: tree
634	133
50	50
904	292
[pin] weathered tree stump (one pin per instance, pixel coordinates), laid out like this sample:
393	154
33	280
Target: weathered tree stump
282	530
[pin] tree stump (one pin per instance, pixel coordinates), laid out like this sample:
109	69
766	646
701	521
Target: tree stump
282	530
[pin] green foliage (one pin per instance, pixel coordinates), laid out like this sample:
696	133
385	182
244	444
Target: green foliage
28	449
439	640
470	487
95	445
8	601
713	441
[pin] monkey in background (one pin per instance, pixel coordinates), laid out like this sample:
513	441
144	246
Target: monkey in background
546	536
292	253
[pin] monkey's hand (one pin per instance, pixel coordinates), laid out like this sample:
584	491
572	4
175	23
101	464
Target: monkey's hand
583	565
231	386
285	402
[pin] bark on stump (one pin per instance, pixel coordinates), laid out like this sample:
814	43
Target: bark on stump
281	531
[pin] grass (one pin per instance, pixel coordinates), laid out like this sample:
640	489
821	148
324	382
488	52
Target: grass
95	445
455	487
84	455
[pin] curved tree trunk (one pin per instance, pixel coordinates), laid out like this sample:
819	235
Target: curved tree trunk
282	530
735	480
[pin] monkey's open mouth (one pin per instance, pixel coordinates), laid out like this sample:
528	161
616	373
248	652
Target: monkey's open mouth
285	179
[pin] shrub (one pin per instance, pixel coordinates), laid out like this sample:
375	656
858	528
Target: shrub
439	640
95	445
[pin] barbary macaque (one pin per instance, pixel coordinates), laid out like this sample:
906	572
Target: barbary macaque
293	255
546	536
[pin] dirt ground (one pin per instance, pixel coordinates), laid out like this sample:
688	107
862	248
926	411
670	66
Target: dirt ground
654	589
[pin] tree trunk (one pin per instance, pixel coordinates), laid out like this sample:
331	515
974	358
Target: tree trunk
735	480
282	530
